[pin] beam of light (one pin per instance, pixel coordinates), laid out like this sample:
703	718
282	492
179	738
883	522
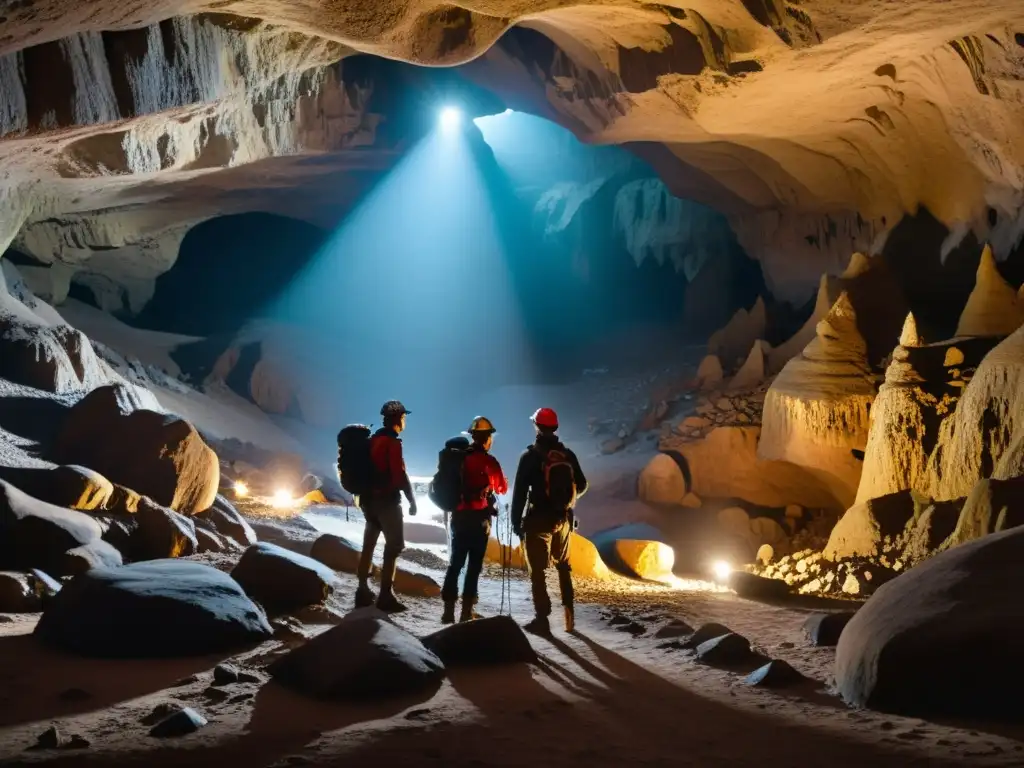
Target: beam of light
412	297
241	489
450	118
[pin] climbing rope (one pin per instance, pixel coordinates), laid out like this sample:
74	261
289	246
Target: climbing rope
505	527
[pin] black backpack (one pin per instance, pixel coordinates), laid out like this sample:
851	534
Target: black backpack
355	469
559	480
446	486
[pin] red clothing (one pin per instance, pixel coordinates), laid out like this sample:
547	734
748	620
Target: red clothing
386	455
481	476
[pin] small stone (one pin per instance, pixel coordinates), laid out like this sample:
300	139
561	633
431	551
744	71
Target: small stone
775	674
953	357
724	404
162	711
691	501
694	422
824	629
765	553
851	585
743	418
51	738
181	723
675	628
801	567
216	695
727	649
707	632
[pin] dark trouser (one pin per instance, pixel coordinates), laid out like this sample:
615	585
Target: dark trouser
547	541
469	534
383	518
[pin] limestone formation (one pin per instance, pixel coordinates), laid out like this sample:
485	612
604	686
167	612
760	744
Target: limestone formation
866	526
782	354
904	651
662	481
650	560
734	340
909	336
161	608
816	411
992	308
752	372
709	373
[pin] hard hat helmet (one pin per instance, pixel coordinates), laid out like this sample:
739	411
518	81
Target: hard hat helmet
545	417
481	424
393	408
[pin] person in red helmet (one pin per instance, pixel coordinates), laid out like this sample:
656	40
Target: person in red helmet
549	481
382	508
481	480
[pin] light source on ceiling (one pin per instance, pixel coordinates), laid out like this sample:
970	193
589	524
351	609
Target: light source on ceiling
450	118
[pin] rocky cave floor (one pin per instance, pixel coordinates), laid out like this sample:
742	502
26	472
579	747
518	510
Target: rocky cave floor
620	690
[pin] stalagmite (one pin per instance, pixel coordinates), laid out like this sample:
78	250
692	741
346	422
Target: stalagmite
909	337
709	373
992	308
751	373
733	342
816	411
782	354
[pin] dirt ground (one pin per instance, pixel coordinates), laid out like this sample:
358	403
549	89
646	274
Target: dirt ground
606	695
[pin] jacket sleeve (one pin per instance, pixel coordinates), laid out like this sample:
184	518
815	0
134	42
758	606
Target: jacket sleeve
499	483
521	490
581	480
396	463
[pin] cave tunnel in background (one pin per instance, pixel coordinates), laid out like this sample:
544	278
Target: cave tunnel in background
228	266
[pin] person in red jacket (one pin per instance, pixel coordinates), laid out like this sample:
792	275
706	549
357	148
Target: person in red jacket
482	480
382	508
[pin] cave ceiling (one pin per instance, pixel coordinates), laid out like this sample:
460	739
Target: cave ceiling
814	126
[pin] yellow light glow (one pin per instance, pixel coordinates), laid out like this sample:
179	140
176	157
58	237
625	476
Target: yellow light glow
241	489
721	569
282	498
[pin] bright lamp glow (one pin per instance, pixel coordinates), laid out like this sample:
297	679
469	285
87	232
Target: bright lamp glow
450	118
721	569
241	489
282	498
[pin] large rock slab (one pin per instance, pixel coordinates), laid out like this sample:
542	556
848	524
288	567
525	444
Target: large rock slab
64	486
942	637
283	580
160	608
229	522
494	640
155	454
360	659
650	560
34	534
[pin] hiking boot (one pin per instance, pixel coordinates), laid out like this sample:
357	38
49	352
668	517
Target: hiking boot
390	604
364	597
448	617
539	626
468	614
570	619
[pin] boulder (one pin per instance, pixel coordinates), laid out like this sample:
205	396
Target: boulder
122	501
415	584
775	674
756	587
726	650
180	723
212	542
228	522
662	481
650	560
724	464
56	359
17	593
503	554
336	553
155	454
993	308
706	632
160	608
64	486
585	560
34	534
161	533
816	410
283	580
494	640
675	628
824	629
944	637
358	660
95	554
866	527
930	529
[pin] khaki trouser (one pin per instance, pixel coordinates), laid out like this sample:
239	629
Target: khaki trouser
547	541
386	519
